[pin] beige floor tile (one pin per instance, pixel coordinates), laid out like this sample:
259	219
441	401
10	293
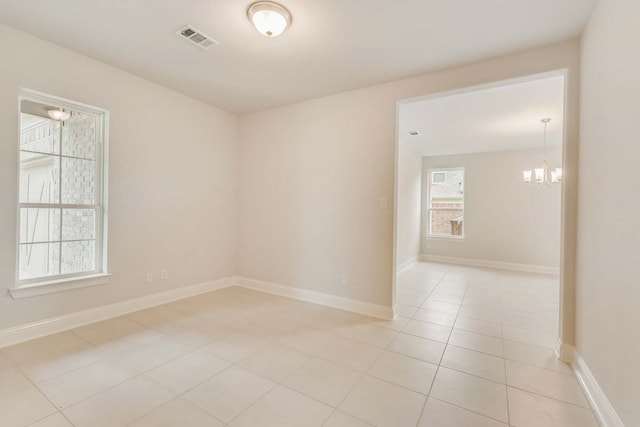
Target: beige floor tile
477	342
236	347
383	404
274	362
395	325
155	353
325	381
24	407
119	405
448	298
475	394
271	326
419	348
404	371
77	385
117	335
33	350
441	414
474	363
12	381
185	372
531	410
340	419
406	310
282	407
431	331
308	340
543	381
535	356
351	354
177	413
51	364
410	300
229	393
530	337
367	334
55	420
441	306
532	323
437	317
320	354
333	318
479	326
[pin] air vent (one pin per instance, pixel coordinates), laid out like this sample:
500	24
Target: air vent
196	37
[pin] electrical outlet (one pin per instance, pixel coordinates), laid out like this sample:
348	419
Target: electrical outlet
164	274
344	279
382	203
149	277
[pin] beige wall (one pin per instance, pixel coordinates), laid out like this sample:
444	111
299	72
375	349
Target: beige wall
608	293
505	219
409	206
172	172
311	174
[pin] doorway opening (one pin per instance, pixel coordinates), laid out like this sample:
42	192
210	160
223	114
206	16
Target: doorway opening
479	224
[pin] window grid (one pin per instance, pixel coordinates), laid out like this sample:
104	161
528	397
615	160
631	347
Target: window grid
94	255
445	203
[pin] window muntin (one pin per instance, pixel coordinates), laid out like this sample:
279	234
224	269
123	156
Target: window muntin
445	203
60	203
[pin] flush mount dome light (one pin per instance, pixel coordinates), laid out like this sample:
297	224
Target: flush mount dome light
269	18
59	115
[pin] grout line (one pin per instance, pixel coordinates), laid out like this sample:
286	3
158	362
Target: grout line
471	411
504	366
435	375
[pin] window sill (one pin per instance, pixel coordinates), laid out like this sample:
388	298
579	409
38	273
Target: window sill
53	286
454	238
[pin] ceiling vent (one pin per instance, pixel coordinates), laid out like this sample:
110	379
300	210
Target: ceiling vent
197	37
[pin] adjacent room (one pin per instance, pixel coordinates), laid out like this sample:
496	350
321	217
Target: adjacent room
318	213
479	184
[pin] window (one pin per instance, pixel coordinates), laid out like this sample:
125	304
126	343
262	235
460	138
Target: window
445	203
61	188
438	177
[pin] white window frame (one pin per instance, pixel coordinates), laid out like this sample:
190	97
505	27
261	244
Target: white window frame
98	276
429	209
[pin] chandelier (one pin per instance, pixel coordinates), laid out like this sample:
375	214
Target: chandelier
543	175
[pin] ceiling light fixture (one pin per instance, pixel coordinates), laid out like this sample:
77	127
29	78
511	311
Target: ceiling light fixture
269	18
59	114
543	175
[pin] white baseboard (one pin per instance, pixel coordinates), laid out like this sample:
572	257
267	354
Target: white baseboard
473	262
54	325
406	265
567	353
602	408
29	331
347	304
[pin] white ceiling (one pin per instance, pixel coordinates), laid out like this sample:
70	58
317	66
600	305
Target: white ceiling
332	45
503	118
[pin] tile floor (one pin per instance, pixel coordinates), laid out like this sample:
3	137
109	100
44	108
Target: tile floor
471	348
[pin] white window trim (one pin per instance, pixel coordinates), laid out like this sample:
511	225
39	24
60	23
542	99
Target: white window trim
427	221
50	284
53	286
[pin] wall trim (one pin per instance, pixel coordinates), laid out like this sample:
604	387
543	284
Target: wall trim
473	262
406	265
29	331
361	307
567	353
602	408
